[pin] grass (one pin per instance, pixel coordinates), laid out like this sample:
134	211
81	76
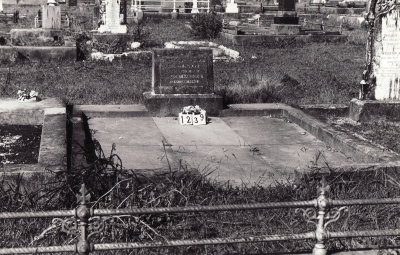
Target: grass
111	189
315	73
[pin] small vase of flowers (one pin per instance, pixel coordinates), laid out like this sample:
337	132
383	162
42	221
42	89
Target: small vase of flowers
25	97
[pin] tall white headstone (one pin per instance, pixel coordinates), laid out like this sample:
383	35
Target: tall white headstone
1	5
387	58
231	7
111	18
195	8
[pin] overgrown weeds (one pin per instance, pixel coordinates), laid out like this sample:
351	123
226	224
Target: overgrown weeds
206	25
112	188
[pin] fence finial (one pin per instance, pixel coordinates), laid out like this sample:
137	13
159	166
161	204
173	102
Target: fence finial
84	197
323	205
83	212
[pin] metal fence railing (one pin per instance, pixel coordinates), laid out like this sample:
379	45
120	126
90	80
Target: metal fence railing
321	211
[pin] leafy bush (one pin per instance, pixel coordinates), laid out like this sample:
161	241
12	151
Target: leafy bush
206	25
140	33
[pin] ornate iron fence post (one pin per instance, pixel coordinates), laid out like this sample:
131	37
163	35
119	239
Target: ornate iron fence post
323	204
83	212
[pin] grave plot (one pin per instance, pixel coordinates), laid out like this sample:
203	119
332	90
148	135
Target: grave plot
19	144
32	135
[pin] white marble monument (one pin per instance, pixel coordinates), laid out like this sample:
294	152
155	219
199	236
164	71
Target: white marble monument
386	59
231	7
1	5
195	8
111	18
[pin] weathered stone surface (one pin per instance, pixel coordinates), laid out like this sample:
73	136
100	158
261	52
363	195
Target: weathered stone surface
182	71
374	110
34	34
285	29
37	54
386	57
109	38
51	17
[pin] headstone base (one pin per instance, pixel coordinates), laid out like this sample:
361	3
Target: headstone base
231	8
287	14
170	105
109	38
290	20
374	110
285	29
121	29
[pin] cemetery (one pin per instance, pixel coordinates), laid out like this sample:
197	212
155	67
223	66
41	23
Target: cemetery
158	105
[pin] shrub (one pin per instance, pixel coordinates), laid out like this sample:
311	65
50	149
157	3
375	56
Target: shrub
140	33
206	25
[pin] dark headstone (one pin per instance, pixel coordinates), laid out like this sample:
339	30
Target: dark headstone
96	12
287	5
286	20
182	71
73	2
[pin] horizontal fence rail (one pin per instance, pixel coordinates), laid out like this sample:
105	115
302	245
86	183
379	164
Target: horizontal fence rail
321	211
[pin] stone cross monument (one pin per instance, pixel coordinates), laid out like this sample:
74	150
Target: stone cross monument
380	85
382	72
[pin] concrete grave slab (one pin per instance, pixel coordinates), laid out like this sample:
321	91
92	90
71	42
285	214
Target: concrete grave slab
51	114
215	133
138	141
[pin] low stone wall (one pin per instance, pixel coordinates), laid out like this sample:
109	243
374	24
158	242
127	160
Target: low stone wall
37	54
301	7
261	39
352	21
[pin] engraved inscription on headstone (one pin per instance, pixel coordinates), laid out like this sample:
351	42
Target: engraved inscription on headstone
386	64
182	71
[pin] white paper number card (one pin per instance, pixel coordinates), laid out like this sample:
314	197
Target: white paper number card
186	118
192	116
200	119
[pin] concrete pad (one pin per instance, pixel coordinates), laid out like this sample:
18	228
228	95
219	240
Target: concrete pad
240	150
216	132
285	146
138	141
233	164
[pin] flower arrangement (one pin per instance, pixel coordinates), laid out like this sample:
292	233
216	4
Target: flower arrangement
23	96
192	115
191	109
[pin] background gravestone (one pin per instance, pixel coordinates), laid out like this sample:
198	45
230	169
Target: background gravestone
112	19
51	17
182	71
286	5
72	2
